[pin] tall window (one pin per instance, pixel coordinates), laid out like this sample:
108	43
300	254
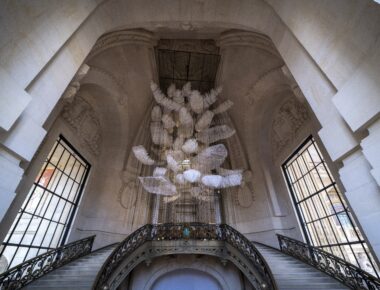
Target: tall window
326	219
45	217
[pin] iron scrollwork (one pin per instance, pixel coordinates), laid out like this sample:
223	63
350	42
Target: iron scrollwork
191	231
21	275
350	275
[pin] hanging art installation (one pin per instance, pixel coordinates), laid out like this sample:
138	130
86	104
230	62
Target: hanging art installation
186	154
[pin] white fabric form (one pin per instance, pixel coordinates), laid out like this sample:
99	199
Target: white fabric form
192	175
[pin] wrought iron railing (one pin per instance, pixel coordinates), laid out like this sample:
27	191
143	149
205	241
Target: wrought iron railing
345	272
21	275
192	231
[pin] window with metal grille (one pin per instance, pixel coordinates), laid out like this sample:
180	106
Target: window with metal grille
322	210
45	217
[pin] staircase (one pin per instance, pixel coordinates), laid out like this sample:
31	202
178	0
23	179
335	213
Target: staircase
291	274
85	266
79	274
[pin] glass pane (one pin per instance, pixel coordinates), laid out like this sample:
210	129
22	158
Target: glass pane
20	228
73	192
31	254
45	201
66	191
64	159
66	212
80	174
70	165
19	256
61	185
34	200
54	180
59	209
49	234
40	232
57	235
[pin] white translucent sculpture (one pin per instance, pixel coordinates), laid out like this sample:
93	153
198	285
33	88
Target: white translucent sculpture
213	181
186	128
214	134
178	155
159	171
180	179
156	114
231	180
190	146
224	172
196	102
211	97
192	175
158	185
178	97
168	122
210	158
186	89
171	91
204	121
172	163
142	155
223	107
163	100
178	143
174	120
160	136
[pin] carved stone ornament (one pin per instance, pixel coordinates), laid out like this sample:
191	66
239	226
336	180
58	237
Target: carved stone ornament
81	118
287	123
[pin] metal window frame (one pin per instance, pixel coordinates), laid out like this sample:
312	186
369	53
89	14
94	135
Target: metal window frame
48	194
306	225
210	83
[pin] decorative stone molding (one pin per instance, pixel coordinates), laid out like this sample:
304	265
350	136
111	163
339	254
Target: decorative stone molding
255	91
247	38
74	86
287	123
122	96
82	119
123	37
190	45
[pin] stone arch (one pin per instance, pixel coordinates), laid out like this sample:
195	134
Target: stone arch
173	267
159	248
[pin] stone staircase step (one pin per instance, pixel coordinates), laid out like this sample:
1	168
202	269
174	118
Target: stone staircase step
292	274
79	274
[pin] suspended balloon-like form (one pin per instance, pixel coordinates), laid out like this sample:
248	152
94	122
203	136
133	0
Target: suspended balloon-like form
183	132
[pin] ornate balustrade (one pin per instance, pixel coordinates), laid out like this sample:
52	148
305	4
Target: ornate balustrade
20	275
192	231
349	274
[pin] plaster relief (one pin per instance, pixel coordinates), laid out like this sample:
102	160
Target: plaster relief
81	118
287	123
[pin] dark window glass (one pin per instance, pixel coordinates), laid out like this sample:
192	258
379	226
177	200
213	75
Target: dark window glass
325	217
45	217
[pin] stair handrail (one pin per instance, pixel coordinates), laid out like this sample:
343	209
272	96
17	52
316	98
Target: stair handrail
343	271
184	231
32	269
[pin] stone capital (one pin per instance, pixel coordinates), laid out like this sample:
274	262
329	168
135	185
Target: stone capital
233	38
123	37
